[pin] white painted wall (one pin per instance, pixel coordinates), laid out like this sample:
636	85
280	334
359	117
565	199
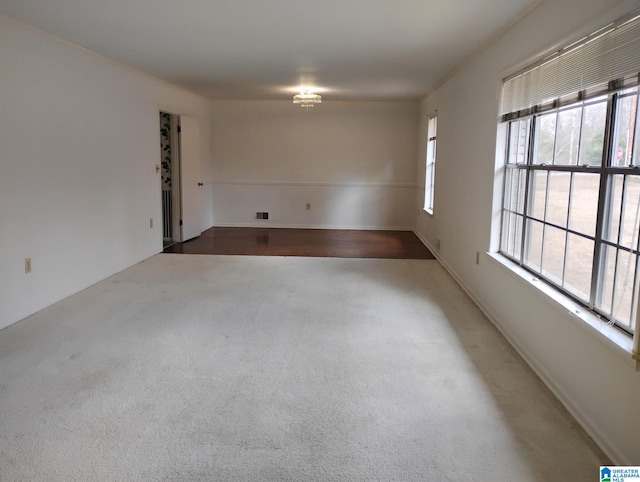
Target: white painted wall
354	162
594	379
79	143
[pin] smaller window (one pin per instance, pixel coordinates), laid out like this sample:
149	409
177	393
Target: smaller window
430	172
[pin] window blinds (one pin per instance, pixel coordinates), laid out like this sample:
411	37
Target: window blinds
604	61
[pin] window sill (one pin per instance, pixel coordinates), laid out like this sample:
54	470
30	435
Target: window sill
612	336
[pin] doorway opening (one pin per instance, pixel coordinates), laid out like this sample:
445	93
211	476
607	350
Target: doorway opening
170	178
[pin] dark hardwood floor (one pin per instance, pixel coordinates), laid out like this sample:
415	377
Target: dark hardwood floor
305	242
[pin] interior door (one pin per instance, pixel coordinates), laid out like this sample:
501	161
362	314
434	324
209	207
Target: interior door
189	176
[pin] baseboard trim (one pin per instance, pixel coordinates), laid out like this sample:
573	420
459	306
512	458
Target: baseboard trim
584	420
314	226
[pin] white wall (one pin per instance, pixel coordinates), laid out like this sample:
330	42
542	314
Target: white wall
596	380
79	142
354	162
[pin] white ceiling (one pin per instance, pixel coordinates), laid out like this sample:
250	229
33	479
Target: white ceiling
267	49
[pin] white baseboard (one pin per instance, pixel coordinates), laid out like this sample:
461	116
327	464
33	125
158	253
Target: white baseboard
583	419
314	226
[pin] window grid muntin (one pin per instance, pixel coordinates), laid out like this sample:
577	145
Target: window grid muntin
606	170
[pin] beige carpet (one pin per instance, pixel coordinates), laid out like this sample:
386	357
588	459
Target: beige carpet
188	367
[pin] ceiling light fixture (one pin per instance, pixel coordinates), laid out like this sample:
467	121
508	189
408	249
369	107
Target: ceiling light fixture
307	99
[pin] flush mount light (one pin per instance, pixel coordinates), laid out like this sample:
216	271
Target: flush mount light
307	99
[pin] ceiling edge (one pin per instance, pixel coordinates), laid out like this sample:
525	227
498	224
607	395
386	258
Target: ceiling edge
476	53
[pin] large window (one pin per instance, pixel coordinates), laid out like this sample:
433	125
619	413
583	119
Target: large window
571	199
430	172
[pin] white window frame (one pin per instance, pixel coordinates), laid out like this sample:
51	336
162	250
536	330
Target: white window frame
430	164
526	103
523	171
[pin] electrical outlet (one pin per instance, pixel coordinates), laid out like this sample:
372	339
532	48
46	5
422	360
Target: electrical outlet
27	265
150	222
308	206
265	215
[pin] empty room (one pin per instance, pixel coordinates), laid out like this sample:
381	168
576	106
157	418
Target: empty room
356	240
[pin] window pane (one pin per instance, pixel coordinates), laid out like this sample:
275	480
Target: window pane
511	189
584	203
553	254
431	151
513	142
517	241
617	297
538	194
508	181
515	190
625	128
545	138
512	235
507	233
533	256
610	231
577	278
592	141
568	137
623	293
432	172
429	175
630	213
518	141
558	201
504	235
608	263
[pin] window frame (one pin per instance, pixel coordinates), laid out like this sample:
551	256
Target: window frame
607	170
430	164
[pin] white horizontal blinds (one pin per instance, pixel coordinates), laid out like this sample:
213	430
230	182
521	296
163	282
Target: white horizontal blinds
585	68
